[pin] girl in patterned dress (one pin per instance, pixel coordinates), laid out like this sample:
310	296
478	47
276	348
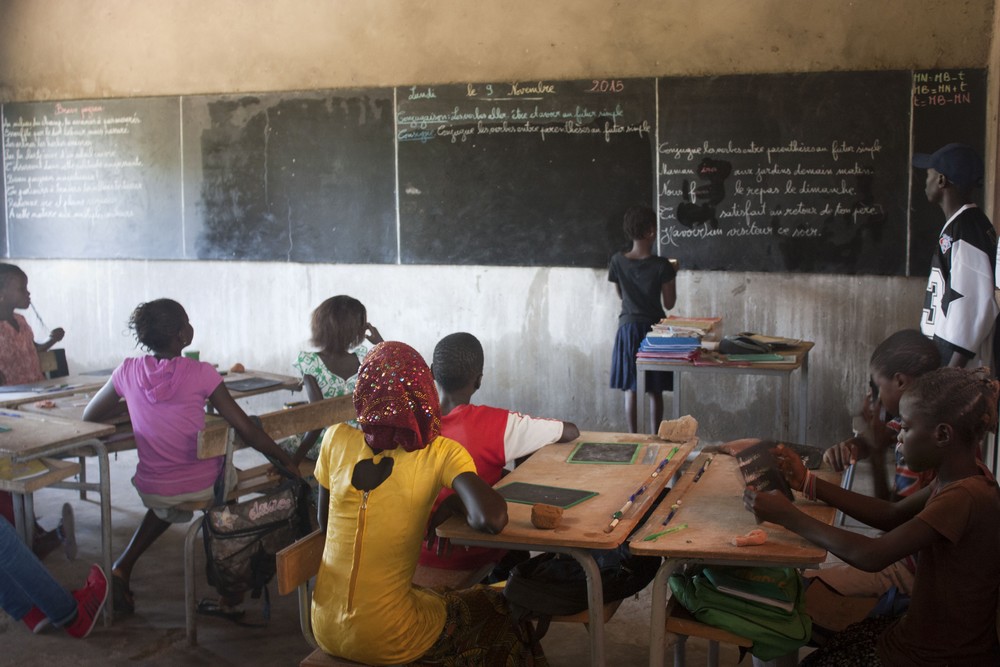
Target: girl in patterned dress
339	327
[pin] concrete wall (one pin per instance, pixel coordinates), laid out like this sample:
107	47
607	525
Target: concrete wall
547	332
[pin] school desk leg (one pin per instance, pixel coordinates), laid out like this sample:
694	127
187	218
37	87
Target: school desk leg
783	401
658	617
595	604
803	398
104	472
640	399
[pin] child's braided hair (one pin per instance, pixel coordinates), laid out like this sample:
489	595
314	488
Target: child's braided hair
965	399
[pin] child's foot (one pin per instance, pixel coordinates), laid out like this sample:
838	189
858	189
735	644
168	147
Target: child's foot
89	602
124	602
66	530
36	620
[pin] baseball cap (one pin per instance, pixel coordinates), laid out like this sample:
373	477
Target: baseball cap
959	163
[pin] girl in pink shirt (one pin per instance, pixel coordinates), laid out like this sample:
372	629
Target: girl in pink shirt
165	394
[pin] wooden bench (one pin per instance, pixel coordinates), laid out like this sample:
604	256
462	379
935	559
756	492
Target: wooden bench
298	564
682	624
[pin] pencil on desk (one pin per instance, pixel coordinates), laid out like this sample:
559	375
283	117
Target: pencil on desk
704	467
673	511
617	516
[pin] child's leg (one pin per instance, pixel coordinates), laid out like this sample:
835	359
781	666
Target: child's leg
630	417
148	532
25	583
655	410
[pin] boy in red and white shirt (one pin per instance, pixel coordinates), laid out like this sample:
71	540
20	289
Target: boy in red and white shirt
493	436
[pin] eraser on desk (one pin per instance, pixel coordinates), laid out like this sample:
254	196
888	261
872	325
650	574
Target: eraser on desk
678	430
546	517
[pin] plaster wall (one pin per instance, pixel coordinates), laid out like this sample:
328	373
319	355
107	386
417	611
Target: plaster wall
547	332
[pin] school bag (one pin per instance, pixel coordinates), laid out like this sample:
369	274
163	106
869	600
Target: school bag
775	631
242	538
555	584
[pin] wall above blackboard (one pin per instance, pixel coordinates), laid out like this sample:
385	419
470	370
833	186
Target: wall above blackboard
777	172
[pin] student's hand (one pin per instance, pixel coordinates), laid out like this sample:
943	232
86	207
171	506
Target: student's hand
768	505
57	335
791	466
846	453
372	334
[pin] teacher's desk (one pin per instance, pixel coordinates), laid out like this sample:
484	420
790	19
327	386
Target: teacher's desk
711	364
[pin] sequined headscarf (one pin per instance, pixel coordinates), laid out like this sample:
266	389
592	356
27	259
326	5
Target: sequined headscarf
396	400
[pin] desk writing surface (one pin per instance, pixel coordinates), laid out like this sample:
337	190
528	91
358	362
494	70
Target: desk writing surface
68	407
54	388
713	510
34	435
582	525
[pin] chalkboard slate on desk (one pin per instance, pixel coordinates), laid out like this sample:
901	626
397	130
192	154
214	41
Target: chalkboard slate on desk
97	178
304	177
535	174
770	172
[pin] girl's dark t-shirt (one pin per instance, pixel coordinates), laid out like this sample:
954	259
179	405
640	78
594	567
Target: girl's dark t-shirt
640	281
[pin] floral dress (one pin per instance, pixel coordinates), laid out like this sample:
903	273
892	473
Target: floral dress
330	384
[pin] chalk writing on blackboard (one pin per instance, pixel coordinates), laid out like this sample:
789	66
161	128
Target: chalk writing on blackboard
942	88
783	172
75	163
98	178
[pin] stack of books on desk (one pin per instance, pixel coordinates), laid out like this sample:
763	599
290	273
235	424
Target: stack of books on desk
677	338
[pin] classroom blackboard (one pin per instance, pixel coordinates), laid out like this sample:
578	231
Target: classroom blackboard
766	172
948	106
533	174
785	172
93	178
300	177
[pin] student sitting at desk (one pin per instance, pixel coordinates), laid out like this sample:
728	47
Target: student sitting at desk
377	484
953	525
339	328
19	365
166	395
493	436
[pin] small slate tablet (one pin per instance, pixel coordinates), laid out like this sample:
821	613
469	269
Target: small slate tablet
529	494
251	384
604	452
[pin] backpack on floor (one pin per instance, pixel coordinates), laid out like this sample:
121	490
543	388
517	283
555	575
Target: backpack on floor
242	538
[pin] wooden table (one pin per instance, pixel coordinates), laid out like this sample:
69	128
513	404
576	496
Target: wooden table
710	364
33	436
51	389
583	526
713	510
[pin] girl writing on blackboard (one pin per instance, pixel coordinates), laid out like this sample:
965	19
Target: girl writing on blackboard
953	526
377	484
645	283
340	328
165	394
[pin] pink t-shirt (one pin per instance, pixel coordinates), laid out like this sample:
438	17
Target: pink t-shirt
18	356
166	404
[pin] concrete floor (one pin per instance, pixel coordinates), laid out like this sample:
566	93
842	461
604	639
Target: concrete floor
154	635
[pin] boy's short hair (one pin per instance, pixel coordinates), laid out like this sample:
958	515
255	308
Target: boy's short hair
339	323
908	352
458	360
9	272
638	221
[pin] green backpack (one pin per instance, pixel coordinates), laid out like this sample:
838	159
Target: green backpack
776	628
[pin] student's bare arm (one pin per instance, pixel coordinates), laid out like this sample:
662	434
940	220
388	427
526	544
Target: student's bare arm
252	434
105	404
875	512
570	432
322	507
865	553
485	509
55	336
669	293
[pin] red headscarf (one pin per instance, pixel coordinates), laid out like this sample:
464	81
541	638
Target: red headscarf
396	400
